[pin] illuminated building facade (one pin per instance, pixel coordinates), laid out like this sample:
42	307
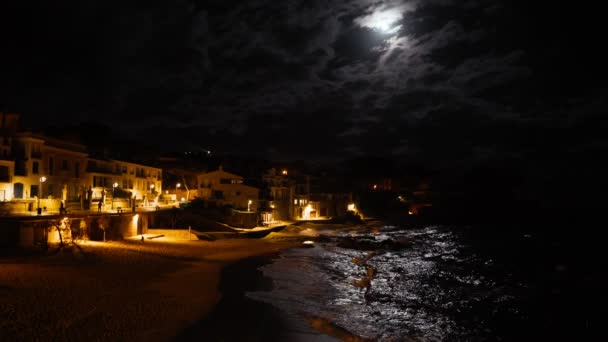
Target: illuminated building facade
34	166
8	127
138	180
294	196
225	188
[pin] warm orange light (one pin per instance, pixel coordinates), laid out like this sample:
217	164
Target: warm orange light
307	211
284	172
351	207
375	186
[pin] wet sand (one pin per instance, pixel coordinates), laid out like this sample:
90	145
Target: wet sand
236	317
239	318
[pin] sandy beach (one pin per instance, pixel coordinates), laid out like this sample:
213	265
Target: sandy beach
156	290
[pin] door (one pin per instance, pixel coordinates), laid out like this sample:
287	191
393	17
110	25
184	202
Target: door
18	190
34	191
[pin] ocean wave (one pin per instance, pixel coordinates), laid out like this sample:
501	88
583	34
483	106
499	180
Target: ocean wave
415	292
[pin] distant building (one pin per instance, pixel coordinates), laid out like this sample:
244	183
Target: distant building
225	188
281	194
295	196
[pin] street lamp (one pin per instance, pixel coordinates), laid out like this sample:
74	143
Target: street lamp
113	193
249	205
40	181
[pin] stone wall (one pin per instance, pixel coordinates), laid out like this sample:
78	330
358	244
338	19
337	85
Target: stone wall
242	219
37	230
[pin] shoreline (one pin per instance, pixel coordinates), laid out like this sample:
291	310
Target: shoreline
236	317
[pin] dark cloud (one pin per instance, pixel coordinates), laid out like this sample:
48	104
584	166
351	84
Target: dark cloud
300	77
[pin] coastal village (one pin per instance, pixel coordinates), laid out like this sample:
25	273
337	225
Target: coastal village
89	245
44	179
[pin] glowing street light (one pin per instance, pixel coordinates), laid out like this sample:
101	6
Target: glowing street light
177	186
249	205
284	172
113	193
40	181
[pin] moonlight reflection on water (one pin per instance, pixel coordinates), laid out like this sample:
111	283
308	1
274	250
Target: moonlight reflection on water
436	288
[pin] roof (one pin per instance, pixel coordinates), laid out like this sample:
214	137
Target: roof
221	174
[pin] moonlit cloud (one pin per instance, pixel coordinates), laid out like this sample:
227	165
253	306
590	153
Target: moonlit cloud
383	20
254	70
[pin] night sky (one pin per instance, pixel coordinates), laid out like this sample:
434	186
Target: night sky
444	82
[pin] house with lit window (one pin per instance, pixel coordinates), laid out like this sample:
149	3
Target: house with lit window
138	181
40	171
8	127
225	188
46	167
296	196
280	194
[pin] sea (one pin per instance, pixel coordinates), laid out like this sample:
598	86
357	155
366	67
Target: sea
381	282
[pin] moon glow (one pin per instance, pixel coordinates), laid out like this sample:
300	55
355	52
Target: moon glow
382	21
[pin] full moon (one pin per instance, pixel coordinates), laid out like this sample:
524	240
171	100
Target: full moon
382	21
